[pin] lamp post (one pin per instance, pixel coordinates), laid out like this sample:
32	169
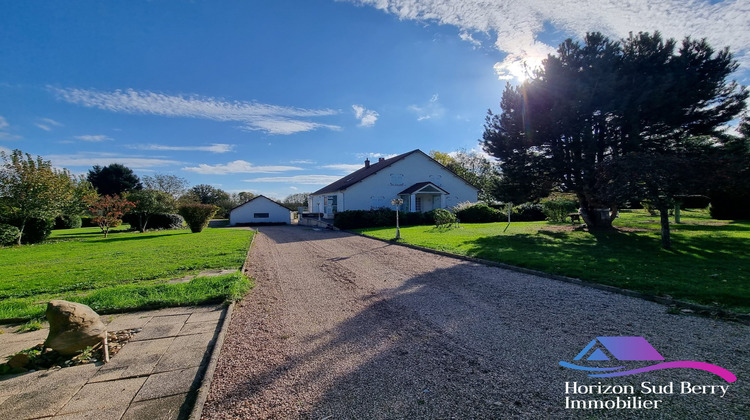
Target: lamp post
397	202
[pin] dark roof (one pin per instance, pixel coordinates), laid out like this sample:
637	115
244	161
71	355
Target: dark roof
420	185
361	174
259	196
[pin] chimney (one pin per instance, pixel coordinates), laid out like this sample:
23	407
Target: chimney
381	159
367	163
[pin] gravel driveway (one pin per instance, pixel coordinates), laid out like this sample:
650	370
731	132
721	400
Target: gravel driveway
341	326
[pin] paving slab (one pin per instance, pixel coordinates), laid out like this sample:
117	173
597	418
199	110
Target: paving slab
166	384
167	408
104	395
185	352
154	376
47	394
199	328
11	342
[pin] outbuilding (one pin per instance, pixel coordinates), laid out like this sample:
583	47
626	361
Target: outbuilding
259	210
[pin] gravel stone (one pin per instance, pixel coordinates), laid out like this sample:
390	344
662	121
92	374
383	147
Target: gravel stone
341	326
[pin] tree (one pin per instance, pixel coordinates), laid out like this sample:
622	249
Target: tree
243	197
295	201
31	189
114	179
207	194
472	166
170	184
108	211
730	187
594	104
148	203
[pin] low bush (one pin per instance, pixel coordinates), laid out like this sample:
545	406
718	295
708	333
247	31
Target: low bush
8	234
34	231
557	206
528	212
478	213
68	222
197	216
444	217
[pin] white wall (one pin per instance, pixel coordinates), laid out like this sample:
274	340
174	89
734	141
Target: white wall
379	189
245	213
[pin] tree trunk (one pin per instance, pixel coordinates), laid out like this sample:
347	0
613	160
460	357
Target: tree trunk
666	242
20	232
677	213
597	218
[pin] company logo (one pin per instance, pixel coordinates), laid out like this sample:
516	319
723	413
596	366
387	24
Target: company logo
626	349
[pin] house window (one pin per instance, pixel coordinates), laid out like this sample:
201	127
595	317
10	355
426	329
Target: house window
418	204
397	179
260	215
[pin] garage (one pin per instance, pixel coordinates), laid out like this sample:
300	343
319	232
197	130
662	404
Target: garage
260	210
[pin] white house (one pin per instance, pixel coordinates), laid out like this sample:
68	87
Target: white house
422	182
260	209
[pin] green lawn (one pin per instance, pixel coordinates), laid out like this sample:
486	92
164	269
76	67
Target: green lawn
709	262
127	270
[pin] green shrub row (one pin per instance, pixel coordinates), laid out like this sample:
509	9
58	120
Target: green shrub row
68	222
478	213
382	217
34	231
166	221
557	206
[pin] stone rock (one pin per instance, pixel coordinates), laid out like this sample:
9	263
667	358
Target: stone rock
72	327
19	360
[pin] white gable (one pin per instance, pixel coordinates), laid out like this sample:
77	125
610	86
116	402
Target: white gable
378	189
260	210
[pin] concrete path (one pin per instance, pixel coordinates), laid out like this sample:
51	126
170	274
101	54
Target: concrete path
154	376
340	326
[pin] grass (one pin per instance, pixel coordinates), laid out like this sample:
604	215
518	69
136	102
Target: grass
127	270
709	263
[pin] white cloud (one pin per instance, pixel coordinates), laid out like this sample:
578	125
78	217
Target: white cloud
298	179
213	148
46	124
344	167
4	149
465	36
103	159
272	119
366	117
516	25
372	155
94	138
4	134
302	162
238	167
430	110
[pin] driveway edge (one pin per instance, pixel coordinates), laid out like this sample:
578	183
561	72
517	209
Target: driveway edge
709	311
208	375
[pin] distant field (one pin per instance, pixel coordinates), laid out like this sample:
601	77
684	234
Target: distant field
126	270
709	263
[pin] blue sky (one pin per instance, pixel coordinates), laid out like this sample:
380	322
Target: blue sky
281	97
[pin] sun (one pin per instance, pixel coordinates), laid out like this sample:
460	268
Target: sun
517	68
